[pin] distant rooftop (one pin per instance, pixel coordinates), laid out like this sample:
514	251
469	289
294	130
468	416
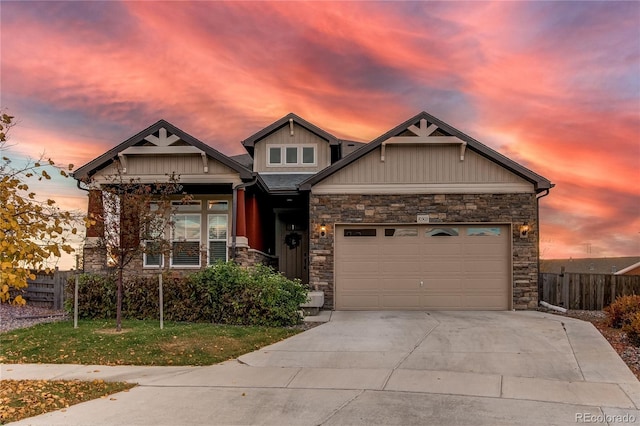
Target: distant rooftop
591	265
244	159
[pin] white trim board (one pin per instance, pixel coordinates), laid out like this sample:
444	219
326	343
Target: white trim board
425	188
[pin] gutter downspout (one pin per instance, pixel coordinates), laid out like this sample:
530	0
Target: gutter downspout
234	212
538	237
79	187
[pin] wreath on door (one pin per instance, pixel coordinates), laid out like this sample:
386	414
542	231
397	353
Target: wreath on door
292	240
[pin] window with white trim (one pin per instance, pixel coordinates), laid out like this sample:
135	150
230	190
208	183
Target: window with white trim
291	155
185	241
309	155
275	155
217	230
217	234
154	232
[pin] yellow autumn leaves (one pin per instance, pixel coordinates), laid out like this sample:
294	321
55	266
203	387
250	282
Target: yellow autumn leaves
32	232
20	399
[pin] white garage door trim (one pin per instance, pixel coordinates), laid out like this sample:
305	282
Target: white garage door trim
419	267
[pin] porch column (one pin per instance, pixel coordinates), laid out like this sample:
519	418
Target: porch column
254	231
94	253
96	213
241	221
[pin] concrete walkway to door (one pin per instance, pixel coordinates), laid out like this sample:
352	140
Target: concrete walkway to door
441	368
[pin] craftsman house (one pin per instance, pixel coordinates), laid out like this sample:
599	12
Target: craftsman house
423	217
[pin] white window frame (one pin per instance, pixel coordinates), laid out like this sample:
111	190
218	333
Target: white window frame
210	240
144	258
299	160
189	208
269	163
286	155
154	207
315	159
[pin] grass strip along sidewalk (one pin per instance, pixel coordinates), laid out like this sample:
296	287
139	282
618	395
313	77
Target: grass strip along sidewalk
97	343
139	343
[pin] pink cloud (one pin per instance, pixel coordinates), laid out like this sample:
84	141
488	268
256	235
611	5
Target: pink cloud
552	85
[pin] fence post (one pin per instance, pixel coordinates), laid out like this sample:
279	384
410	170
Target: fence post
545	287
600	292
565	291
57	293
75	293
614	292
161	300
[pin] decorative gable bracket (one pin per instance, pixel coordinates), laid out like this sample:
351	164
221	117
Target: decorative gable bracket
162	145
423	136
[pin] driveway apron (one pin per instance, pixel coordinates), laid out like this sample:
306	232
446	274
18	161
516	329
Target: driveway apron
481	368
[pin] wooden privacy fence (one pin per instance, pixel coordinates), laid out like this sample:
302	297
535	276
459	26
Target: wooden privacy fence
47	290
586	291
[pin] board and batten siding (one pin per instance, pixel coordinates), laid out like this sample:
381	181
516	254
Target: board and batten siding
154	167
428	168
301	136
181	164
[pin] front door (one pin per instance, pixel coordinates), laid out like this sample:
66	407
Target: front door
293	245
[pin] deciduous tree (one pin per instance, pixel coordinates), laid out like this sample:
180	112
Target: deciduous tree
136	221
33	231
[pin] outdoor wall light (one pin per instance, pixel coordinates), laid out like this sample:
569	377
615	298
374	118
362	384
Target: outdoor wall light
524	230
323	229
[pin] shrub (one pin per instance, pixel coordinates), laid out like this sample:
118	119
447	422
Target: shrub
250	296
96	296
620	311
632	328
225	293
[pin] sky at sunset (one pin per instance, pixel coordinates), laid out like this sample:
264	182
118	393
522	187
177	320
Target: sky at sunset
553	85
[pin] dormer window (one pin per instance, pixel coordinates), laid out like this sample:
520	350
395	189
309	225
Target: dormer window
275	155
291	155
308	155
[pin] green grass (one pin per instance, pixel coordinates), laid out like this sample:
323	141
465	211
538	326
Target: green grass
139	343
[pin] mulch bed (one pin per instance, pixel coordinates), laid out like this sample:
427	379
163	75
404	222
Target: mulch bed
629	353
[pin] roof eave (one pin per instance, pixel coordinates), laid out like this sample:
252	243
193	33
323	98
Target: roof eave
540	183
87	170
250	142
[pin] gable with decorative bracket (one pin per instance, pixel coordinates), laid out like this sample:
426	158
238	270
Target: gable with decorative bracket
423	135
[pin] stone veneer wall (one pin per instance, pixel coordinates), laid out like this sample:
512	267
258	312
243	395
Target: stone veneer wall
441	208
249	257
94	257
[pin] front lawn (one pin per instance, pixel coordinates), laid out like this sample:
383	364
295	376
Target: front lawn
139	343
20	399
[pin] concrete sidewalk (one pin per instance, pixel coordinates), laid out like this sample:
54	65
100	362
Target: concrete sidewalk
379	368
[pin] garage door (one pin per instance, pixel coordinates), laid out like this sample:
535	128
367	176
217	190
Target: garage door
423	267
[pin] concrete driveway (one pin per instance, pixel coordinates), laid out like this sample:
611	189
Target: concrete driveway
441	368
